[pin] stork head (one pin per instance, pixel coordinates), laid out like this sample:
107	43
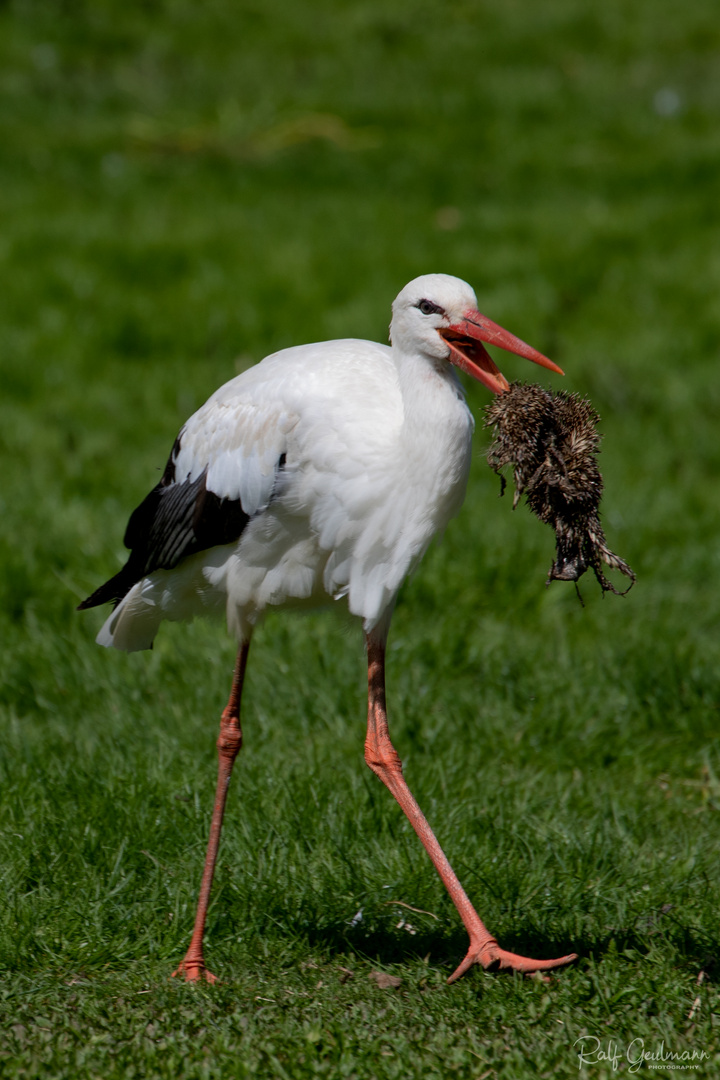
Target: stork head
437	316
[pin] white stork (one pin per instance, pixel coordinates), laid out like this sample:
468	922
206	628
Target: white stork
320	474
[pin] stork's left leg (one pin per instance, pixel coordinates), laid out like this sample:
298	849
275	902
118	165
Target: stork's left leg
228	744
381	756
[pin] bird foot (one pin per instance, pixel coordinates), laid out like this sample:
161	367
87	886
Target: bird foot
492	958
194	970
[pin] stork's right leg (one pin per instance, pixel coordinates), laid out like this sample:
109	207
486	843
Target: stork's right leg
381	756
228	744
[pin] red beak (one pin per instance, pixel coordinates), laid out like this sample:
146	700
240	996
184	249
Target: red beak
469	354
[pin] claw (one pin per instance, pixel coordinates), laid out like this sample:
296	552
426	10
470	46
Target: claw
194	971
492	958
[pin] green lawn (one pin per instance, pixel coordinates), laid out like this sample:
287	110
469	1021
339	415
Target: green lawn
184	188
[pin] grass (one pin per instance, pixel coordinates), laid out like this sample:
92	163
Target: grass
184	189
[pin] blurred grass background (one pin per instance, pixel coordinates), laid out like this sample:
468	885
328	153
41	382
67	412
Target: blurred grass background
185	188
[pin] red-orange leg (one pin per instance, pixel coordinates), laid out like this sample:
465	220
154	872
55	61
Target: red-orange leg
229	742
381	756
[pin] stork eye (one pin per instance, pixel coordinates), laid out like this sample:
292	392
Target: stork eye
428	308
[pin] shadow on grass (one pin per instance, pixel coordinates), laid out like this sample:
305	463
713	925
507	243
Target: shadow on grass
447	947
692	948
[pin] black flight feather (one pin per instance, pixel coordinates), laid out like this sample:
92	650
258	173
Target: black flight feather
175	520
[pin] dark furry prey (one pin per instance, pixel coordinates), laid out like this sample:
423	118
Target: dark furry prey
552	443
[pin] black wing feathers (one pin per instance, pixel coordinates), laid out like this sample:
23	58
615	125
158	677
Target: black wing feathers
175	520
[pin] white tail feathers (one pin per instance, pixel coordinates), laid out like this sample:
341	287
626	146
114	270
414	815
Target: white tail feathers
133	624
